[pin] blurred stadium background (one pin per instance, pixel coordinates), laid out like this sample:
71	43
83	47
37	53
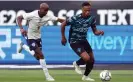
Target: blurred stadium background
112	51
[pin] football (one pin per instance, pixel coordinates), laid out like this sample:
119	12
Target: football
105	75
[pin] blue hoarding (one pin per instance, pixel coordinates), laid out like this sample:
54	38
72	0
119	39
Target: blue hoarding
116	46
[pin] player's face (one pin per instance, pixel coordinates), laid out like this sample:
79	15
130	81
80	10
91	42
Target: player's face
43	11
86	11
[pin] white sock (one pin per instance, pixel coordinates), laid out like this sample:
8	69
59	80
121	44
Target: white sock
28	49
43	65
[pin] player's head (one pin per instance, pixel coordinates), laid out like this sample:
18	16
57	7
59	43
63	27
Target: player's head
43	9
86	7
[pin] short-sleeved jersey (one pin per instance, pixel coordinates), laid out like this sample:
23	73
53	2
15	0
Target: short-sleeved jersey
79	27
35	22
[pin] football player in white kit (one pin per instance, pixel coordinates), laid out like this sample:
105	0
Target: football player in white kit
36	19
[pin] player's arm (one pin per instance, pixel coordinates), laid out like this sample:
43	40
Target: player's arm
95	31
60	20
25	16
69	21
54	18
19	22
63	41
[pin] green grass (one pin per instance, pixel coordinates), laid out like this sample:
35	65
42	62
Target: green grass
60	76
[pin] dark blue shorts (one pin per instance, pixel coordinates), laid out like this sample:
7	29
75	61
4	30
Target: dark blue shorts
81	46
34	43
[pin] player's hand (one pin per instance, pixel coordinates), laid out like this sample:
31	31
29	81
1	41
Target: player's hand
63	41
99	32
102	32
23	32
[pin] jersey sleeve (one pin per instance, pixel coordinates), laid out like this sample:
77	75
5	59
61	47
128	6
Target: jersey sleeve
52	17
93	21
70	21
27	16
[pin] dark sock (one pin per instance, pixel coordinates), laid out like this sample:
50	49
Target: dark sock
89	67
80	62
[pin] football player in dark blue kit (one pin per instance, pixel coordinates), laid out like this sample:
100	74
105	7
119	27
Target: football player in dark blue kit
79	26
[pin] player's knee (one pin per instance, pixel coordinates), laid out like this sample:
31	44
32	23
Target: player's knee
36	56
87	60
41	56
92	61
86	57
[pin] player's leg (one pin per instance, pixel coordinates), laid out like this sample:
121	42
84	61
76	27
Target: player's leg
77	64
88	68
25	47
87	49
79	49
90	63
36	46
80	62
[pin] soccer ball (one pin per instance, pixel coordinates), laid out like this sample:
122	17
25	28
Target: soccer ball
105	75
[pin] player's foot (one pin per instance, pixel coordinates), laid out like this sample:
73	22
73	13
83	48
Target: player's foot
50	78
77	68
20	47
86	78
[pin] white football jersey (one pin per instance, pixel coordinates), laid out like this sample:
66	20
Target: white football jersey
35	22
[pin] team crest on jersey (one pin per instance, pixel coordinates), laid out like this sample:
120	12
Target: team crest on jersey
33	44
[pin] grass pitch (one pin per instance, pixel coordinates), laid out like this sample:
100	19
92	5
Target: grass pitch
60	76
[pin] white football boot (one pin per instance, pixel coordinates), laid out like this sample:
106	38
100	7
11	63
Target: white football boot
86	78
77	68
20	47
50	78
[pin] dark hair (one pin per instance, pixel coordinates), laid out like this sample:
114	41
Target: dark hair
86	4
